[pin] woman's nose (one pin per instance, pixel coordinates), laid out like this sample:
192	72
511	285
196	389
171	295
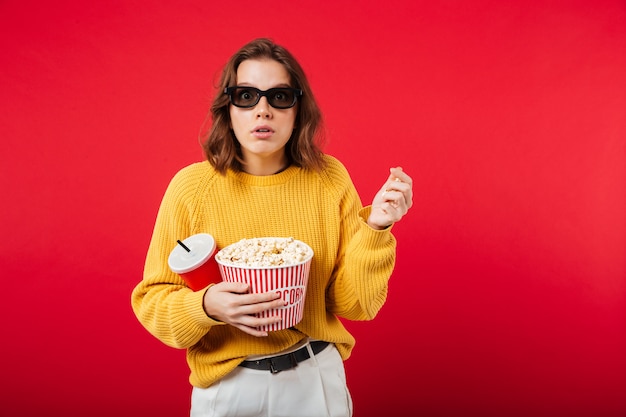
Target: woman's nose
263	109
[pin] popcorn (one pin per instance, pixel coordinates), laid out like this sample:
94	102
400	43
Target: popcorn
265	252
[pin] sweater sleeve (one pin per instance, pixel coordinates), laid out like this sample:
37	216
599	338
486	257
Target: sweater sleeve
366	259
162	302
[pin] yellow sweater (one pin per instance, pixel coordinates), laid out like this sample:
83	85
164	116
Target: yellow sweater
351	266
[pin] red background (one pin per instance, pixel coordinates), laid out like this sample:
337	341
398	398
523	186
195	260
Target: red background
508	298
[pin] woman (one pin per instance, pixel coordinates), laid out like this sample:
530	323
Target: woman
266	176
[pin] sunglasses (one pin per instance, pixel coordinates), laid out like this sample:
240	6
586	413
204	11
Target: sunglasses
279	98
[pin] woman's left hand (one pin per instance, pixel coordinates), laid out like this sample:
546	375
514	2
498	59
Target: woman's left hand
392	201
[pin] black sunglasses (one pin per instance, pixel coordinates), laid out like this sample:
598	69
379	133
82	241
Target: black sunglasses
279	98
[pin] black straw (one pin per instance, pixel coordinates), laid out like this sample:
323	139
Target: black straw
183	245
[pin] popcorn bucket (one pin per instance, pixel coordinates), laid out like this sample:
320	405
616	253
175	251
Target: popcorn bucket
289	280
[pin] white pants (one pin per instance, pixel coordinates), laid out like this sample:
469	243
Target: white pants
315	388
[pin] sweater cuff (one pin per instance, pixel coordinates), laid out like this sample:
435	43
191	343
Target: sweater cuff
194	304
364	214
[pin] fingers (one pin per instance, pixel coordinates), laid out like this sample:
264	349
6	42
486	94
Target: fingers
393	211
251	304
233	287
398	189
393	200
397	173
252	324
231	303
247	319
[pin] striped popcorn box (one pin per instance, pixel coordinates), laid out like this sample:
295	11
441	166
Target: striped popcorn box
270	264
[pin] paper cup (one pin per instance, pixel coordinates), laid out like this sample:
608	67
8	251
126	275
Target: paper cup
197	267
289	281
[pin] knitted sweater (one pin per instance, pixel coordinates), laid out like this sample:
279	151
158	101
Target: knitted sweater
351	266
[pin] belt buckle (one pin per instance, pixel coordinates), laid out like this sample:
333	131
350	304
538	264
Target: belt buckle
274	367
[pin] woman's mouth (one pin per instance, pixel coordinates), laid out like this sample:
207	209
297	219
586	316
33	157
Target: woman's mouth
262	132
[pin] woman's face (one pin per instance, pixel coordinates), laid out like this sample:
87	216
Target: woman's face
262	130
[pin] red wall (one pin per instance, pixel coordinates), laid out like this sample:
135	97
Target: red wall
509	295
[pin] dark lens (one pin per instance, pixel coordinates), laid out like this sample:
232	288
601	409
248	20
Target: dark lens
281	98
245	97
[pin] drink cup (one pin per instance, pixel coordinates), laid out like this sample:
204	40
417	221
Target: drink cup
197	265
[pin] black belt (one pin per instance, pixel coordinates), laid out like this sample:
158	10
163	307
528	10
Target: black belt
275	364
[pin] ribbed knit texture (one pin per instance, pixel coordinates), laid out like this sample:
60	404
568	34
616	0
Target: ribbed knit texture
351	265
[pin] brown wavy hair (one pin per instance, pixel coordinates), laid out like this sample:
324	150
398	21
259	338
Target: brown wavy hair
303	148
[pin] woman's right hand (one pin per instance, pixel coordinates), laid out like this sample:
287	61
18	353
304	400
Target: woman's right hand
231	303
